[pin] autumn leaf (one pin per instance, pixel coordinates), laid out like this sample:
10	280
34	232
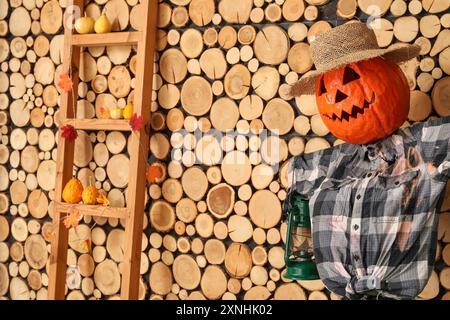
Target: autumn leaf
136	122
154	172
104	113
101	199
85	245
65	83
48	233
68	132
72	219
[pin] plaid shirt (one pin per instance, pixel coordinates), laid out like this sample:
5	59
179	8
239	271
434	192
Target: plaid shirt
374	210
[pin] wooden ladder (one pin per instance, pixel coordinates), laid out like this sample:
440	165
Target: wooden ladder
138	150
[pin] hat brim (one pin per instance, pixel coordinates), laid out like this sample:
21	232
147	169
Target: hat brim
396	54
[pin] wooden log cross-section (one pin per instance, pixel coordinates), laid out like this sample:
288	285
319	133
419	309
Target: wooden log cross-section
119	85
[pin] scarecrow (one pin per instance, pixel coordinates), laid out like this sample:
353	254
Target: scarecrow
374	201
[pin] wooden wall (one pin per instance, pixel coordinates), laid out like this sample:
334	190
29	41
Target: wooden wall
224	65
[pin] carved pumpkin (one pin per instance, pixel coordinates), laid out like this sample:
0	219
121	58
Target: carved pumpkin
364	101
72	191
90	195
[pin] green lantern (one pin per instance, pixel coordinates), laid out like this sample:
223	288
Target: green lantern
299	257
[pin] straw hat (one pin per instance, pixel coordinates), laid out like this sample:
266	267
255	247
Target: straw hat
344	44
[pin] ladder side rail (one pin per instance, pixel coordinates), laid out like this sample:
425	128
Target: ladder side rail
138	153
64	168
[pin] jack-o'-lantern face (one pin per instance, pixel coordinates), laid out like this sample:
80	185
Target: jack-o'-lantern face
364	101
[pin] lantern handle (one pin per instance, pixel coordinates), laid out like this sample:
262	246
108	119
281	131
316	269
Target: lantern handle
288	199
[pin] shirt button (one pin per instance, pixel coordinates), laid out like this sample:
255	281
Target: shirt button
358	197
369	175
355	227
356	257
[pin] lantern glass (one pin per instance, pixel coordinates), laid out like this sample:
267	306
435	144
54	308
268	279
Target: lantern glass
299	256
301	242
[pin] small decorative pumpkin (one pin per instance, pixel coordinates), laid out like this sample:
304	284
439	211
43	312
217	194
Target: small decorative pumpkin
72	191
364	101
116	113
84	25
128	111
102	25
90	195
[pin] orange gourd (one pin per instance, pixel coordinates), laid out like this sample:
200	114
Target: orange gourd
72	191
90	195
364	101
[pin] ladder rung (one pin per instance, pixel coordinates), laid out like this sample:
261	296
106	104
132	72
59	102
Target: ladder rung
106	39
99	124
93	210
